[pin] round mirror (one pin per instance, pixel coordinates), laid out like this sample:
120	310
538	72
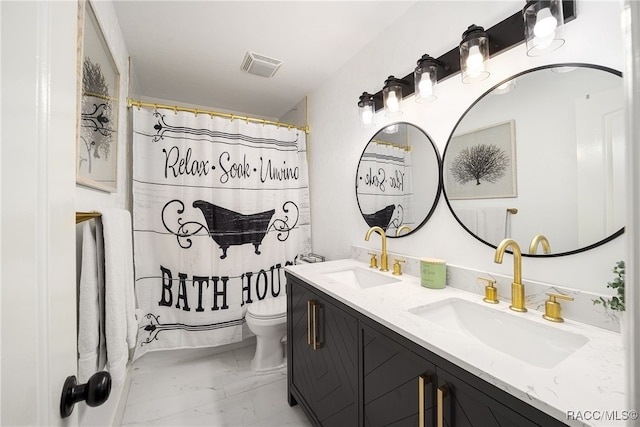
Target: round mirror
540	159
398	179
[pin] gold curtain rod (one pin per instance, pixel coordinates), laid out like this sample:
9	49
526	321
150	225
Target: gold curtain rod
391	144
84	216
97	95
197	111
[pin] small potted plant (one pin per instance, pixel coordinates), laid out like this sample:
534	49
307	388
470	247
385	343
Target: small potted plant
616	302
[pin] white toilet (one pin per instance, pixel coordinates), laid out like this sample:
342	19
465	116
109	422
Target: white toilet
267	319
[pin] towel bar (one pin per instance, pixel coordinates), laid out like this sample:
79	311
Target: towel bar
84	216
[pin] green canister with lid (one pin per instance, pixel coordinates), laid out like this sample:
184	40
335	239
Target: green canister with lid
433	273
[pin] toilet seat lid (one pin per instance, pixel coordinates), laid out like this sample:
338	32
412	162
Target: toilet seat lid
268	308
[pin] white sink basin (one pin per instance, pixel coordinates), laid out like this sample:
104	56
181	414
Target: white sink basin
538	344
360	278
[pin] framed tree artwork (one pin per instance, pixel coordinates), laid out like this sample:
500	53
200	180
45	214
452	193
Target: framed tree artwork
482	164
98	87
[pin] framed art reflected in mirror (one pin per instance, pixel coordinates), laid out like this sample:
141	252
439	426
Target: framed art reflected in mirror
98	87
482	163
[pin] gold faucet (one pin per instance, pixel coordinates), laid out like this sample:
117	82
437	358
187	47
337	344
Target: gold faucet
517	288
404	227
384	259
539	238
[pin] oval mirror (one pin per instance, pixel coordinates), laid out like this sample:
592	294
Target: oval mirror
542	155
398	179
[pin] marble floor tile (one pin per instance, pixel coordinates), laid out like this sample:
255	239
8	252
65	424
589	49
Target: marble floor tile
200	388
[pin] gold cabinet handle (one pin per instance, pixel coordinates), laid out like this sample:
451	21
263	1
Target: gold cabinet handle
316	344
310	304
423	380
443	391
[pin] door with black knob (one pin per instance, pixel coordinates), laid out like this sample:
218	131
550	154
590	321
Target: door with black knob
95	392
38	257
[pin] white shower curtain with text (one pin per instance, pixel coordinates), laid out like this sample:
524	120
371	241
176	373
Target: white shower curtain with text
220	207
385	188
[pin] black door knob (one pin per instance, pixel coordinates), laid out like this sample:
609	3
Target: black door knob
96	391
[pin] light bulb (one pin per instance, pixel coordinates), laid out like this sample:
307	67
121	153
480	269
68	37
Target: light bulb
367	115
391	129
546	24
475	61
544	42
425	87
393	104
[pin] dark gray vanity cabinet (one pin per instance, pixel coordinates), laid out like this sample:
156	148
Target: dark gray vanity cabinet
397	383
364	374
322	353
464	406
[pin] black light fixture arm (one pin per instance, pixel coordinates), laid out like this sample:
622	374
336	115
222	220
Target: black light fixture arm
502	37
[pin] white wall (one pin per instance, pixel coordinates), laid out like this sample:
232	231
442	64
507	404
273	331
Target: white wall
337	139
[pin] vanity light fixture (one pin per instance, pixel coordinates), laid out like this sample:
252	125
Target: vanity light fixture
366	109
543	30
426	78
505	87
391	129
391	96
474	52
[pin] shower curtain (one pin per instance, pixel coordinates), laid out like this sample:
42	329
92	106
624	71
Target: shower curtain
220	207
385	190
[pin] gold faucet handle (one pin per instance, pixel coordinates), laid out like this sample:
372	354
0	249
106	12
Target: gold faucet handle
374	261
553	296
553	309
490	292
397	269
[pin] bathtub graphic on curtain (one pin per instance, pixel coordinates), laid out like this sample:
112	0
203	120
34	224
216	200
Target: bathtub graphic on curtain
228	228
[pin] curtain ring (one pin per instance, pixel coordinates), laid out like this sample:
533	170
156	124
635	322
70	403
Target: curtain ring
175	110
155	108
232	117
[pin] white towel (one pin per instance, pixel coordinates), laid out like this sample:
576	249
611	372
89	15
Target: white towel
491	224
102	355
120	322
468	217
88	308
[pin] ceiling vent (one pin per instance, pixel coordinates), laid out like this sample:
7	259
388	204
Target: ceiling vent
260	65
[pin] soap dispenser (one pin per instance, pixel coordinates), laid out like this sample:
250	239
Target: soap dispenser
490	292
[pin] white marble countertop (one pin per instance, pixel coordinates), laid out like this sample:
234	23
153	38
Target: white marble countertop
585	389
